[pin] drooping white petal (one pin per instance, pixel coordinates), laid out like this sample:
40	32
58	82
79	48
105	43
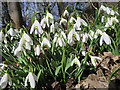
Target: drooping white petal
112	12
32	80
3	66
65	13
22	41
103	18
93	60
35	77
26	79
106	38
76	61
63	21
37	50
60	42
27	46
78	22
4	81
108	10
1	36
83	52
52	28
72	19
43	22
83	22
101	40
77	36
63	34
55	37
26	37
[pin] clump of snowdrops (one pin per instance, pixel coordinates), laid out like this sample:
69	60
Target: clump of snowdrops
55	50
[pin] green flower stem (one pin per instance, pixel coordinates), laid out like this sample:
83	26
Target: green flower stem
49	67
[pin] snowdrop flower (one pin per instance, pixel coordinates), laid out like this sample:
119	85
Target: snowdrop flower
70	36
60	39
4	80
84	36
65	13
31	77
3	66
83	22
76	61
72	19
45	42
18	51
106	38
49	16
114	19
93	59
112	12
37	27
37	50
1	36
83	51
63	21
26	40
12	32
52	28
108	10
98	31
43	22
77	24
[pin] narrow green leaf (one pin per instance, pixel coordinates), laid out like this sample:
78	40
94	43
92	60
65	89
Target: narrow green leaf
57	70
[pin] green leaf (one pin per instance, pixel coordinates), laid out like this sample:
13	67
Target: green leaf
38	75
57	70
113	73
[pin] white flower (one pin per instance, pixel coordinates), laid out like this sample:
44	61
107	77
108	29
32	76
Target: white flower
18	51
31	77
83	51
37	27
4	80
65	13
98	32
112	12
70	36
106	38
26	40
45	42
11	32
83	22
93	60
76	61
49	16
1	36
84	36
3	66
60	39
72	19
52	28
108	10
37	50
43	22
101	8
63	21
